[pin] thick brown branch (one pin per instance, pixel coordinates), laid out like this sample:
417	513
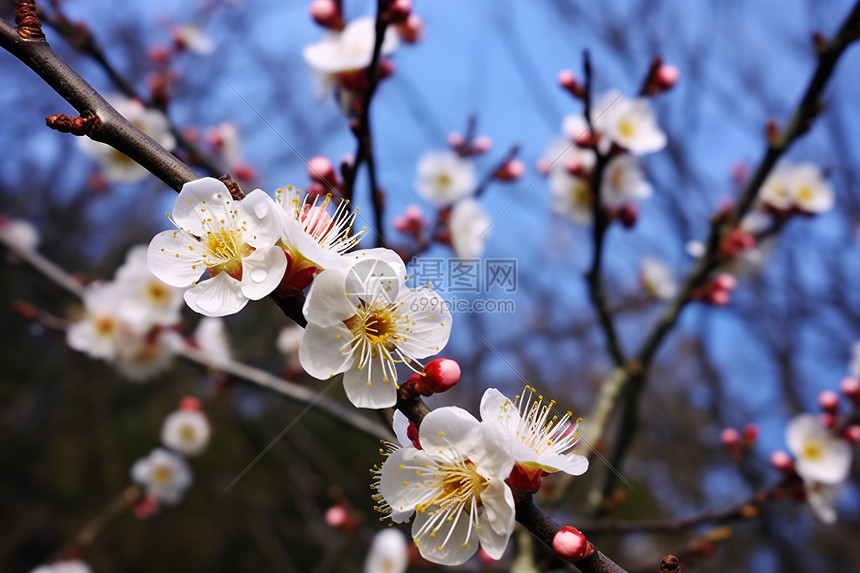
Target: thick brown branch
115	130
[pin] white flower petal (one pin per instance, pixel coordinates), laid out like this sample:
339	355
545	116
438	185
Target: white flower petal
259	214
197	201
327	303
498	518
171	260
218	296
446	426
461	544
370	387
262	272
319	353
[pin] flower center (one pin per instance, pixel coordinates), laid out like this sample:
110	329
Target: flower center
581	193
376	325
105	326
626	128
187	433
228	250
443	180
805	193
162	475
156	292
812	451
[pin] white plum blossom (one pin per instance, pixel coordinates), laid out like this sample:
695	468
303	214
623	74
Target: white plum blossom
99	331
346	51
444	177
19	233
469	226
455	487
150	301
68	566
388	553
657	279
290	340
822	460
232	241
313	238
819	455
225	138
364	322
211	338
116	166
532	434
186	431
193	38
143	355
628	123
624	182
571	196
163	474
797	186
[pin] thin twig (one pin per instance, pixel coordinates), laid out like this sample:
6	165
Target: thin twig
615	390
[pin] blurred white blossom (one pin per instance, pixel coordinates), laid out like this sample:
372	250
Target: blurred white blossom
186	431
388	553
444	177
469	226
163	474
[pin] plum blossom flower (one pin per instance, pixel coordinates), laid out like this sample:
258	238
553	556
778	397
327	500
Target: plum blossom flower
388	553
656	278
19	233
211	338
346	51
192	37
116	166
628	123
469	225
571	196
797	186
68	566
533	435
163	474
822	460
186	431
455	487
364	322
312	238
819	455
150	301
624	182
444	177
99	331
234	242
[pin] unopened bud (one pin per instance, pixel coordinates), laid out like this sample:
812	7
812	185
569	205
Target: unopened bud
750	435
158	55
399	11
244	172
456	140
412	30
482	144
719	297
852	433
782	461
511	170
570	544
725	281
851	388
189	403
441	374
337	516
730	437
628	215
828	401
412	434
321	169
567	80
667	76
827	420
326	14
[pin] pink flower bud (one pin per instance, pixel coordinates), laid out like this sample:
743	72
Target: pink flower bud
441	374
511	171
828	401
189	403
482	144
412	434
326	14
827	420
244	172
628	215
567	79
750	434
456	140
730	437
851	388
412	30
158	55
667	76
725	281
320	169
570	544
852	433
399	11
719	297
385	68
336	516
782	461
